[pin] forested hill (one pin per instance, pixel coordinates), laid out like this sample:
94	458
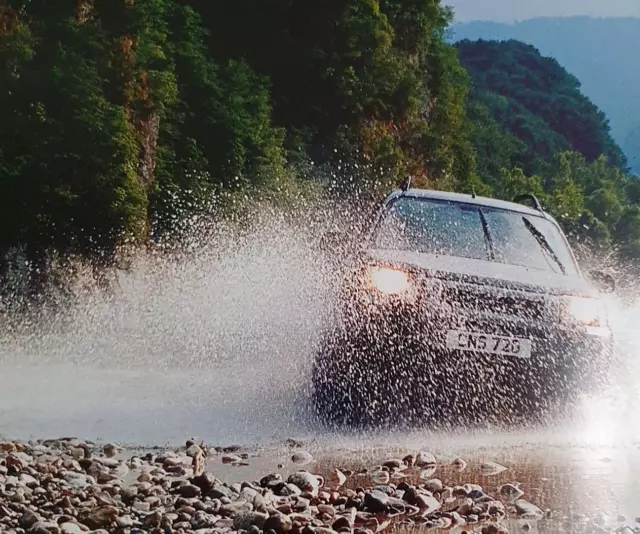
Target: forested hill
537	102
600	52
120	121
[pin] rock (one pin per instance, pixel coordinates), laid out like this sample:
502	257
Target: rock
459	464
101	517
205	481
105	499
28	519
526	510
231	459
380	477
125	521
279	523
28	481
141	506
45	527
301	458
434	485
189	491
491	468
110	450
77	480
511	492
427	504
376	501
7	447
394	464
494	529
71	528
425	459
245	519
426	474
338	478
305	481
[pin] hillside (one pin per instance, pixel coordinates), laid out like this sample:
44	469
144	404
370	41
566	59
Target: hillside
597	52
536	101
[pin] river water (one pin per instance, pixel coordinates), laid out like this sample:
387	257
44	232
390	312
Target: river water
220	350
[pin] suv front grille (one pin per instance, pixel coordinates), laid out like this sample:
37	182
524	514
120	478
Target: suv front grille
469	299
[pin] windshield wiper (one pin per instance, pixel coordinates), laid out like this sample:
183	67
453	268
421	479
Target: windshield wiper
487	236
542	240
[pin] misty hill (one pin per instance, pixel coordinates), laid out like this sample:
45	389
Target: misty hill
533	101
601	53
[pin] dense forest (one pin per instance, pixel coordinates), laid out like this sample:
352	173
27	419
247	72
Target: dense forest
121	119
595	50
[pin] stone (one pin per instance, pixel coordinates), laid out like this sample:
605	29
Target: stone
305	481
510	492
279	523
71	528
394	464
301	458
491	468
526	510
376	501
110	450
125	521
425	459
459	464
434	485
189	491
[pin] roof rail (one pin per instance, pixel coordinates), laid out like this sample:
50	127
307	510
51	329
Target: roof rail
406	183
536	203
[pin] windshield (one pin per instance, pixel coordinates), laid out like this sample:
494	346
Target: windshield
477	232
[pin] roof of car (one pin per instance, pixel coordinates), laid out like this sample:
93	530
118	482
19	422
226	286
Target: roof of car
468	199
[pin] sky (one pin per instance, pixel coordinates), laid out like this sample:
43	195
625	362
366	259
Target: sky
512	10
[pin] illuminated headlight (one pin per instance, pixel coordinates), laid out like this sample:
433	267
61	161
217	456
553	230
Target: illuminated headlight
589	312
389	281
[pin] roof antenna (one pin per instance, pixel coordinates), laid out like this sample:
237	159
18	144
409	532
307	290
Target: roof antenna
406	184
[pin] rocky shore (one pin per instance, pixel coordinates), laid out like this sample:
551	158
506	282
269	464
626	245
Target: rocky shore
67	486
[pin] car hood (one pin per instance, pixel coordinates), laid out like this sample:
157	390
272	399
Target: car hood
487	272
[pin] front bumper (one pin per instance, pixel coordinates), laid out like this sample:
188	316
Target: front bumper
399	352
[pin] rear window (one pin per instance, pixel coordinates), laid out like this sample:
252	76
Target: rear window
476	232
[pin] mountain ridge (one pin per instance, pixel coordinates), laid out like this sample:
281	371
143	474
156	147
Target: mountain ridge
594	50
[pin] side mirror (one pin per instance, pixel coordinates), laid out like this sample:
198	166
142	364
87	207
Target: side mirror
603	281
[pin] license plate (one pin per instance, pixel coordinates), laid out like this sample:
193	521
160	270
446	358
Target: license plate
489	344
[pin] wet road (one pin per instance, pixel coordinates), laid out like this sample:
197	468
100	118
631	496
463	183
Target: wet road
221	352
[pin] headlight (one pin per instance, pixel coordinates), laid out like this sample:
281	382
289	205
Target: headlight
589	312
389	281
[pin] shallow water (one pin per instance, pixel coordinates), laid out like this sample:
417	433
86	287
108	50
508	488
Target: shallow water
221	349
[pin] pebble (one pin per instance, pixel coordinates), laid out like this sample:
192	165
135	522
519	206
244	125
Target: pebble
526	510
425	459
301	458
52	489
305	481
491	468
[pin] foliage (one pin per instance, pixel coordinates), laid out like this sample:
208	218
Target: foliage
123	121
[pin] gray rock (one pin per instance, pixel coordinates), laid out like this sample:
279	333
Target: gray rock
305	481
245	519
71	528
125	521
301	458
526	510
425	459
279	523
189	491
376	501
511	492
78	480
434	485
